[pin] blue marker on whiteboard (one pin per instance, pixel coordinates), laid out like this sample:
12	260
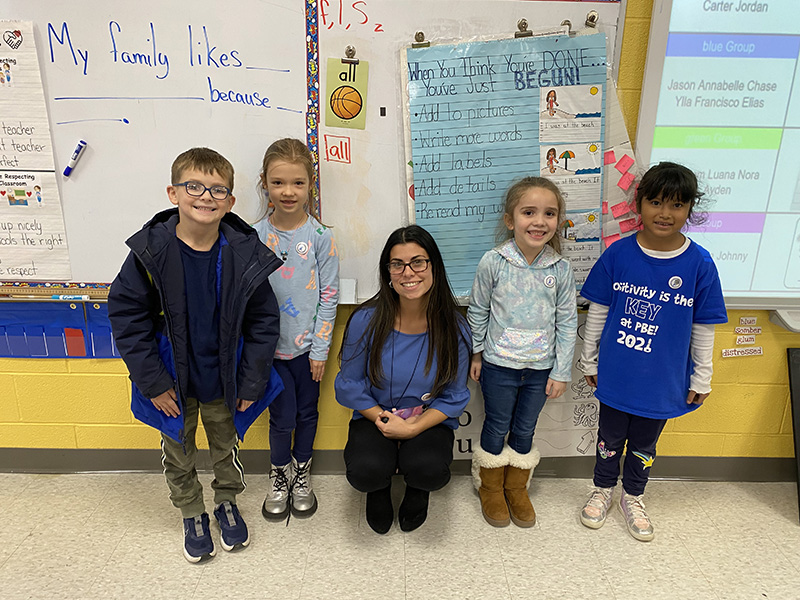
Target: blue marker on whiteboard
75	158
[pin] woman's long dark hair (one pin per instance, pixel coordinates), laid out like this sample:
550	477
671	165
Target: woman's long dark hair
444	321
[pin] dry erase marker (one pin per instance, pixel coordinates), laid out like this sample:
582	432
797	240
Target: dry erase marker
69	297
76	156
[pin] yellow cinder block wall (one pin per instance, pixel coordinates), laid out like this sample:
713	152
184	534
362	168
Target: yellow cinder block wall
85	403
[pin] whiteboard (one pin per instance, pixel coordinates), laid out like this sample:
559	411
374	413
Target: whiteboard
721	95
120	182
193	49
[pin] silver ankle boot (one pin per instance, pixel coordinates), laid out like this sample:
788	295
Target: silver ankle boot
276	504
304	502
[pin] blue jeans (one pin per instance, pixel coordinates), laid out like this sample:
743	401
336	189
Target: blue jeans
513	399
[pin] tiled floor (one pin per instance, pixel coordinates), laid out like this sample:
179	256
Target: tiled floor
116	536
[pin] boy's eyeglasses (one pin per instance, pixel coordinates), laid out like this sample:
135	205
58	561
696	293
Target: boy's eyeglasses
418	265
197	189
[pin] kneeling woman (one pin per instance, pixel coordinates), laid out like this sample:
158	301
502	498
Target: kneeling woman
404	366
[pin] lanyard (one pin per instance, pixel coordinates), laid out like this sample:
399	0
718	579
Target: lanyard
413	372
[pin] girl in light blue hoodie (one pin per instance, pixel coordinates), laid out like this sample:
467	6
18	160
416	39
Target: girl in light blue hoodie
523	316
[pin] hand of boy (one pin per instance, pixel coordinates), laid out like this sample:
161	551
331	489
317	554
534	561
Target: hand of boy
591	380
317	369
475	365
243	405
555	388
695	398
167	403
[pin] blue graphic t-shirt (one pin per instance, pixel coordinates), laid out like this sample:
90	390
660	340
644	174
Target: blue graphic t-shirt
644	362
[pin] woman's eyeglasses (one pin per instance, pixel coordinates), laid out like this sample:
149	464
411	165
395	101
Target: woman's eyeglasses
418	265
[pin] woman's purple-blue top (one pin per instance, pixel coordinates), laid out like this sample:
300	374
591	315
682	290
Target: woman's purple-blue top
406	383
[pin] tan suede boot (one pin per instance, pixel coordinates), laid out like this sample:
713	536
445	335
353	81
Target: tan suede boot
488	471
517	479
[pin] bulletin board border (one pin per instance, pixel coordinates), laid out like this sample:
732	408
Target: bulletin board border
45	290
312	91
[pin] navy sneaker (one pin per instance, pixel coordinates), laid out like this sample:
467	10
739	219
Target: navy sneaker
232	527
197	542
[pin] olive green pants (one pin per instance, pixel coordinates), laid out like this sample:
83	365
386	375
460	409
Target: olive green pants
185	490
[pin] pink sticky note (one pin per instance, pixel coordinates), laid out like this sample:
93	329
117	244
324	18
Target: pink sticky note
609	157
620	209
605	208
632	206
611	239
623	164
627	225
639	227
625	181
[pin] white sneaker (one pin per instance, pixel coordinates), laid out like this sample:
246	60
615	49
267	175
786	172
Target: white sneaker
638	522
594	512
276	504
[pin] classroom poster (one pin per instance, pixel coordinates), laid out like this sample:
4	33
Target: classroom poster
346	97
482	114
33	241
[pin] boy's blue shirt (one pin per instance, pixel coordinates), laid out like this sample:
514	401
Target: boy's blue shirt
200	276
148	314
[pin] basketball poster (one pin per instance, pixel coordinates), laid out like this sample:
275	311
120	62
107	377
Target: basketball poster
346	94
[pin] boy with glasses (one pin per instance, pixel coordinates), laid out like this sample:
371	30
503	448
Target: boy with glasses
196	322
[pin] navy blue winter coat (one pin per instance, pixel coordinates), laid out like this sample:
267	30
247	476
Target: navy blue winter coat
147	310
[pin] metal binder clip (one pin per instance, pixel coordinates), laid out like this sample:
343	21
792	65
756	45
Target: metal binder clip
522	25
591	18
350	53
419	41
568	23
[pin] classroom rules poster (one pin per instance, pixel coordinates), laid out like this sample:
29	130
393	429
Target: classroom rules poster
33	241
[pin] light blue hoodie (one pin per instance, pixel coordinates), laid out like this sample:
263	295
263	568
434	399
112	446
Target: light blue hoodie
524	316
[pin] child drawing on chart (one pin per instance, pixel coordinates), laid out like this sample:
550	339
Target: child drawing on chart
38	191
551	160
307	288
551	102
7	73
524	321
655	297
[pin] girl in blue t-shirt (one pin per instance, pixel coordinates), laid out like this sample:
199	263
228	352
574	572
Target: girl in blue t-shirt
655	298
